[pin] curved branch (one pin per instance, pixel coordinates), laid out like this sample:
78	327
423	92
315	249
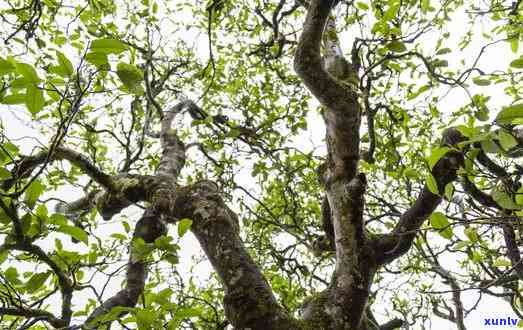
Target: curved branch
37	313
78	206
340	100
125	189
27	164
249	301
456	296
173	149
148	228
398	242
489	164
160	191
392	324
307	59
66	285
513	250
484	199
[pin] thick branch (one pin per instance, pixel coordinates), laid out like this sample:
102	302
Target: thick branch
456	296
392	324
173	149
34	313
148	228
489	164
160	191
249	301
27	164
484	199
513	249
395	244
342	111
66	285
125	189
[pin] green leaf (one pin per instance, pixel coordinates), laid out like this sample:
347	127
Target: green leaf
480	82
438	63
6	67
362	5
66	68
35	189
519	196
8	152
422	89
58	244
449	191
396	46
36	281
51	91
119	237
126	226
436	155
476	257
140	249
145	319
108	46
411	173
11	274
514	44
41	212
34	100
517	63
443	51
233	133
432	184
172	258
4	174
481	114
490	146
28	72
509	114
188	312
75	232
183	226
502	262
92	257
113	314
99	60
461	245
3	256
425	5
129	74
506	140
471	234
163	297
20	83
440	222
503	199
164	243
58	219
14	99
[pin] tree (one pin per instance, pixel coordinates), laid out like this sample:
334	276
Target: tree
410	201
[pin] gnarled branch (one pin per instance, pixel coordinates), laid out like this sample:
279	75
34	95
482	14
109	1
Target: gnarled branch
399	241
